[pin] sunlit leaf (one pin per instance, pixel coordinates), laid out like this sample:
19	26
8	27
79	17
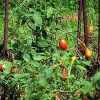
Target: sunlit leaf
49	12
37	18
27	57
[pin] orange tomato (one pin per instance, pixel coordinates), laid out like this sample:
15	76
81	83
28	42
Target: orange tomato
63	44
90	28
1	68
57	96
77	93
64	73
88	53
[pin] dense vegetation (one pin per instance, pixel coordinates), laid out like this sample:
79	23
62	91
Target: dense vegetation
42	60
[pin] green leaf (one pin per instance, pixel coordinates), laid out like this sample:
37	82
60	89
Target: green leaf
27	57
80	67
21	30
36	64
77	82
86	89
43	82
42	43
37	18
96	80
48	73
84	82
39	57
49	12
33	52
86	86
86	63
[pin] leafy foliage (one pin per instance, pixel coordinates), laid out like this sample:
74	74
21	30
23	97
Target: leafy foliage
33	68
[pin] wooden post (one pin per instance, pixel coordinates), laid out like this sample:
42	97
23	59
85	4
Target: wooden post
86	40
5	29
80	8
99	36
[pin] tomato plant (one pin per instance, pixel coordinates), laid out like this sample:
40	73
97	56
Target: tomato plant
34	66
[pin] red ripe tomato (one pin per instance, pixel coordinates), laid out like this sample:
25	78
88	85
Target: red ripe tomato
63	44
1	68
65	74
